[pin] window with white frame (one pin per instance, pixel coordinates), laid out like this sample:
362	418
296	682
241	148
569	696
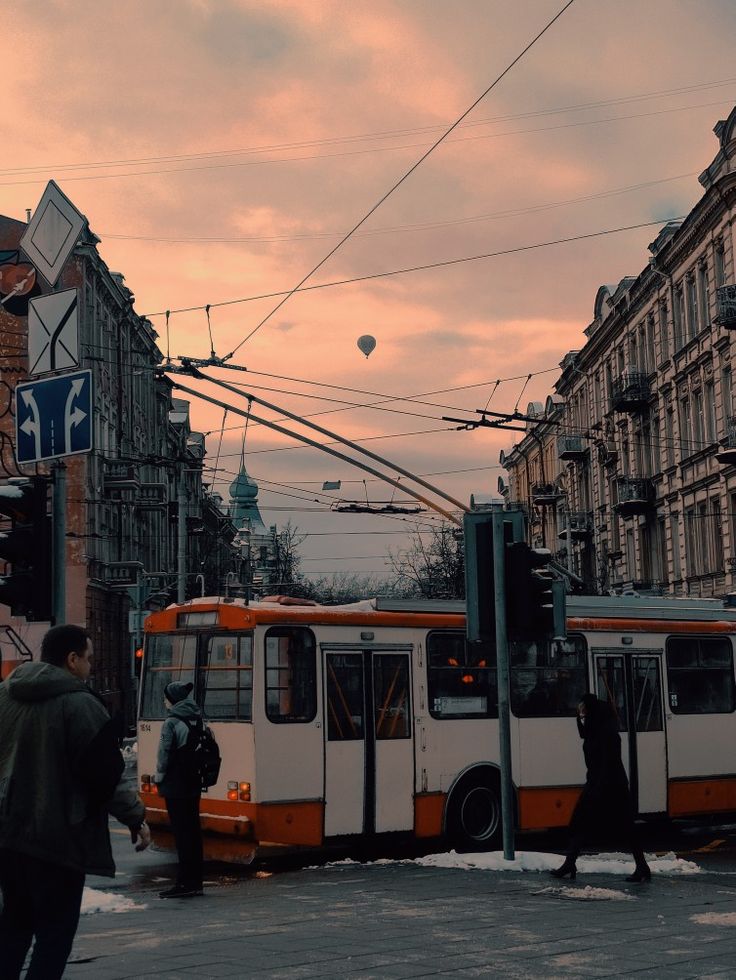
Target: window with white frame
710	413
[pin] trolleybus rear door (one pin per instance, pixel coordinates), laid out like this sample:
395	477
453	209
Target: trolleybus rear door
369	750
632	685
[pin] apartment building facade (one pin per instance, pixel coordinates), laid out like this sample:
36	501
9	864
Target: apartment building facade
637	446
123	499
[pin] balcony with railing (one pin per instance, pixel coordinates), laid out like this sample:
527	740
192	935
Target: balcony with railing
580	524
727	455
607	452
726	306
571	447
635	495
630	392
545	494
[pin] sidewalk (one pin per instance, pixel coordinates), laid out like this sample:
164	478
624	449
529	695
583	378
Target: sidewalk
407	920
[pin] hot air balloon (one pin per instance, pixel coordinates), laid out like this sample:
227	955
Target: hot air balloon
366	344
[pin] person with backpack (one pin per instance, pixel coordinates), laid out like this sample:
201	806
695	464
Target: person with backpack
180	783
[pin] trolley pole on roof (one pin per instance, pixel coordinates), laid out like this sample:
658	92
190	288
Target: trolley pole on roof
502	666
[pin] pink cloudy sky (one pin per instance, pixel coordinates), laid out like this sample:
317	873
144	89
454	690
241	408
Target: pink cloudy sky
245	137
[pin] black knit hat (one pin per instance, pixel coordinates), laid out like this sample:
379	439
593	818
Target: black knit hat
176	691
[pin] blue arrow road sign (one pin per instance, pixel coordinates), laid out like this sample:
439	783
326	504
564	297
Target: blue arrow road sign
53	417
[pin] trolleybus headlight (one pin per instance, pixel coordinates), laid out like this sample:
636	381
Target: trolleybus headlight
232	790
244	792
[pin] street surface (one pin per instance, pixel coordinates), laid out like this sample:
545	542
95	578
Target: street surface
390	919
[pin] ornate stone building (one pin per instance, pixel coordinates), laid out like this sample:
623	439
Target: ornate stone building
639	439
122	498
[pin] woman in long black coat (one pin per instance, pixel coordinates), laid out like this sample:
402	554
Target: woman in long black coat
605	804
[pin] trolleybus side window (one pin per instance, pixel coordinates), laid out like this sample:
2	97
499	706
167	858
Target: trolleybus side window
547	678
700	675
461	677
226	678
291	674
169	657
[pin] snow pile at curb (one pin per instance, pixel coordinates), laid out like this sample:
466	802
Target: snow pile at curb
587	894
98	901
614	864
715	918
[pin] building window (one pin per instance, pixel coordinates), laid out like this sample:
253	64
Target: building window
651	360
710	413
700	675
630	554
697	421
692	307
678	314
719	264
726	396
675	539
662	543
716	530
691	545
703	296
669	435
685	427
664	335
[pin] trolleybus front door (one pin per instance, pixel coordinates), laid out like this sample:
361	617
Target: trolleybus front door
369	753
632	685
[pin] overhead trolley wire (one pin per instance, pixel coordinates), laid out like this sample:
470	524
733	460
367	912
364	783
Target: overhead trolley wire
421	268
401	180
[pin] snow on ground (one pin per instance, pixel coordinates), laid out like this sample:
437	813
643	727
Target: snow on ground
715	918
94	900
587	894
606	864
614	864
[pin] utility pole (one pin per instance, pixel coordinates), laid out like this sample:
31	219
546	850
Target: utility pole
502	667
181	537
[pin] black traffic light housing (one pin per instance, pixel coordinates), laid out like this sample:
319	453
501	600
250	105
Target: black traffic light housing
535	600
25	547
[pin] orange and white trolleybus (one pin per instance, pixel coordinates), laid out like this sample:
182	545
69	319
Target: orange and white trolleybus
339	722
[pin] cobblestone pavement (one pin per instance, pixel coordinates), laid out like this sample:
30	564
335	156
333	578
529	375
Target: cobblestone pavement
403	920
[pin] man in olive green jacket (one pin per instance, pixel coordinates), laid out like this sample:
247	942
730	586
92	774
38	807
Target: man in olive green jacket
60	776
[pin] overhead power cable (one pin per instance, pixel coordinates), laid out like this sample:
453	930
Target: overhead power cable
429	265
420	226
401	180
368	150
359	137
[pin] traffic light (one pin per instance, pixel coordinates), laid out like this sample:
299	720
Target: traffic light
479	592
535	601
25	547
138	662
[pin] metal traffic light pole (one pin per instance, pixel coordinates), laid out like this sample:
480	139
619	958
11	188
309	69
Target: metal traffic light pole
58	561
502	668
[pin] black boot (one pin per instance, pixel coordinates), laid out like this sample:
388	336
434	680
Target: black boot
565	870
641	873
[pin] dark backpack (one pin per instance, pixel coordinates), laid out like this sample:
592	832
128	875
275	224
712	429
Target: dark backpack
205	753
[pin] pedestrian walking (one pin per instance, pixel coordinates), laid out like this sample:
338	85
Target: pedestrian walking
605	804
178	781
60	776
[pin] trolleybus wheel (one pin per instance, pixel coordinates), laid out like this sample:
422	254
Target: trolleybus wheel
474	817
